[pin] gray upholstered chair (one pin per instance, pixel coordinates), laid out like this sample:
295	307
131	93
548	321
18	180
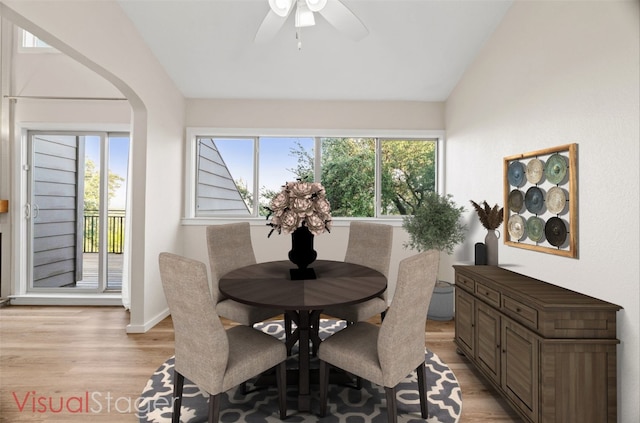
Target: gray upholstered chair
386	354
230	248
213	358
369	245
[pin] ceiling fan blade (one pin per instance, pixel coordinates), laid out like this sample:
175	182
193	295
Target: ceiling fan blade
270	26
344	20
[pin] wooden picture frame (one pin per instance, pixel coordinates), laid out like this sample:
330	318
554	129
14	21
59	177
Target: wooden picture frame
541	200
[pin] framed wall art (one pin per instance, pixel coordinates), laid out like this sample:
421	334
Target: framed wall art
540	200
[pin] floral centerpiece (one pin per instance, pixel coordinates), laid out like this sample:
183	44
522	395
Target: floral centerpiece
300	204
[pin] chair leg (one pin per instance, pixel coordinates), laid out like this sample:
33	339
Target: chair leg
392	411
314	335
178	384
382	315
324	387
281	381
214	408
422	390
287	326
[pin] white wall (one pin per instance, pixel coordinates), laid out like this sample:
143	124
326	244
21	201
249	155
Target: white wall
292	114
101	37
52	73
556	73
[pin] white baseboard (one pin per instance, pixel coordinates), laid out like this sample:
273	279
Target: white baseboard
149	323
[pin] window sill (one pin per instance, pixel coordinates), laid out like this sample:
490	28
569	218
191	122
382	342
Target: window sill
261	221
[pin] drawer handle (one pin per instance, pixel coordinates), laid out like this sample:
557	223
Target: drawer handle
518	310
486	293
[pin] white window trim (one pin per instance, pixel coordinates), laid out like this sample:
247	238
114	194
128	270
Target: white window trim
21	48
20	265
192	133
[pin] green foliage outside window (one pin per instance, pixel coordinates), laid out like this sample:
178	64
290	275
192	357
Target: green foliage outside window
92	205
348	175
408	174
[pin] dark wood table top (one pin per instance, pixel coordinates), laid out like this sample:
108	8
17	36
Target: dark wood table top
269	285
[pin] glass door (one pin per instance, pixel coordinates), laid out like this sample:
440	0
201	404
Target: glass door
76	210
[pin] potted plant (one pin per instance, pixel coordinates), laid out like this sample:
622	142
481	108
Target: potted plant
436	225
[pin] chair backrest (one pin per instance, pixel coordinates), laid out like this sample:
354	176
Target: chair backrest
402	333
370	245
230	248
201	344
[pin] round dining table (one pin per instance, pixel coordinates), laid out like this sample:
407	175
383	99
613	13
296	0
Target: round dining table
269	285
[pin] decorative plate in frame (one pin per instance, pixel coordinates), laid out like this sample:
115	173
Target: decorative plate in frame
516	201
534	200
535	170
516	174
555	231
540	190
555	169
556	200
516	226
535	229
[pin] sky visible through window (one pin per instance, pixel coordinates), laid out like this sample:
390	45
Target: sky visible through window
118	163
276	163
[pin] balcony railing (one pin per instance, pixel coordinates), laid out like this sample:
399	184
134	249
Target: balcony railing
115	231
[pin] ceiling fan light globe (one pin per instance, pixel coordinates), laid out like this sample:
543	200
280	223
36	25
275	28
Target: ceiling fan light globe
304	16
316	5
281	7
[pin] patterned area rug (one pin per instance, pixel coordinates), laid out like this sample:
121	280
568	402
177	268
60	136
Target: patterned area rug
346	404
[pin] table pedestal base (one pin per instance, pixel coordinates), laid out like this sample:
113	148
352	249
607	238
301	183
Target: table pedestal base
306	330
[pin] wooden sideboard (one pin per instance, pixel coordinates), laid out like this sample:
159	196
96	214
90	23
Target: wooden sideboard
550	352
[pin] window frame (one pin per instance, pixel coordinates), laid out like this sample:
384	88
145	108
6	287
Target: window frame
193	133
22	48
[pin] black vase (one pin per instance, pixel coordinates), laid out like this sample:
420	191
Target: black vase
302	254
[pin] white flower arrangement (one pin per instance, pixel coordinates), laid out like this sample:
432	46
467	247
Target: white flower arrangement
300	204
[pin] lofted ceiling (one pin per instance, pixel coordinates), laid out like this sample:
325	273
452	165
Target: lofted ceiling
416	50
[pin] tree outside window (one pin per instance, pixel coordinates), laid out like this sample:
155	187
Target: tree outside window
351	169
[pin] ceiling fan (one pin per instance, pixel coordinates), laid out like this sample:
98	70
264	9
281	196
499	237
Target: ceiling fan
334	11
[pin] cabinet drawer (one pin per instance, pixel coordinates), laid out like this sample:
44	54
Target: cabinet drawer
487	294
521	312
465	282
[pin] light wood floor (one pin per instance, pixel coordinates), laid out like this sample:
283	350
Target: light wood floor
75	352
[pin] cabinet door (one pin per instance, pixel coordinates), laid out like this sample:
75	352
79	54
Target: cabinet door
488	340
520	367
465	322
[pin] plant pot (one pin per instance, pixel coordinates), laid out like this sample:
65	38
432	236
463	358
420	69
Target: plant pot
441	306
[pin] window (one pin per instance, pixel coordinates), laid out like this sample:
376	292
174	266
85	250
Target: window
374	177
31	43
